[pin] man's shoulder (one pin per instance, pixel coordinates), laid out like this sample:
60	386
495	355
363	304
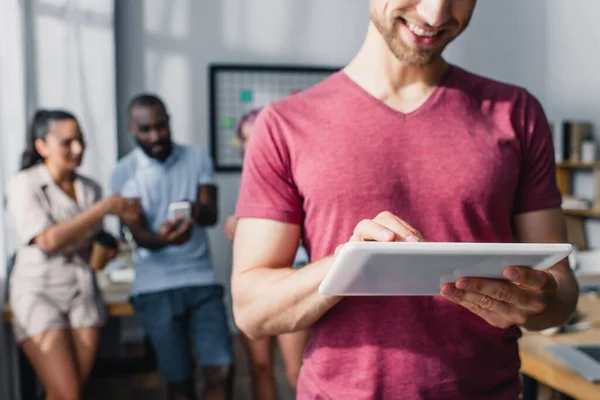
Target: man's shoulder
486	89
124	170
192	152
188	148
128	160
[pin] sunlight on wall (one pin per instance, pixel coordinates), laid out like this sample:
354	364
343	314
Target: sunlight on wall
169	75
241	30
100	7
280	27
168	18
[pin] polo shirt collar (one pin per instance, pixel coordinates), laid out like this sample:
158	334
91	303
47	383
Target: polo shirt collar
146	161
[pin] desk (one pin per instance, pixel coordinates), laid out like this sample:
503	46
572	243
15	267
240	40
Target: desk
540	365
116	297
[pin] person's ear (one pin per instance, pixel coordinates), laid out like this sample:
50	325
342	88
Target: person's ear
41	147
131	127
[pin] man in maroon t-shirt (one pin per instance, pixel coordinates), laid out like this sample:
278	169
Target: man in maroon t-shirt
401	146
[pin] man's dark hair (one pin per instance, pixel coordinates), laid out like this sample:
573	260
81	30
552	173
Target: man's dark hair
146	100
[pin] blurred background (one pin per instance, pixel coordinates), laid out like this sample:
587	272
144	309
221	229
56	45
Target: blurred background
92	56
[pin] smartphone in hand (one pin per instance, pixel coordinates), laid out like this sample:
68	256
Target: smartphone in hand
181	210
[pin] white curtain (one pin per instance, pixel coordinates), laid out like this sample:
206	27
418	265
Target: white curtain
12	117
53	54
74	68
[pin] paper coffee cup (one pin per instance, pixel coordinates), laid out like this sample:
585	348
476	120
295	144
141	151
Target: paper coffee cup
103	245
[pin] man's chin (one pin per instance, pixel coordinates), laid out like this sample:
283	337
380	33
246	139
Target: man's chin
415	56
159	155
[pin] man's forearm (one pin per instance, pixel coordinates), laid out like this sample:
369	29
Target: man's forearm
271	301
205	214
563	303
149	241
145	238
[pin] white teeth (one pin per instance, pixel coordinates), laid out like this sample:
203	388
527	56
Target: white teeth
417	30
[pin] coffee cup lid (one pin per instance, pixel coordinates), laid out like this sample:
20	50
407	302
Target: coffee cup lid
106	239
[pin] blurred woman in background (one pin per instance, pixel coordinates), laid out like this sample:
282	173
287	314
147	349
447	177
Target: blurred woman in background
260	352
56	306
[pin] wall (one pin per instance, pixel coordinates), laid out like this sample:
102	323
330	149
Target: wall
165	46
573	45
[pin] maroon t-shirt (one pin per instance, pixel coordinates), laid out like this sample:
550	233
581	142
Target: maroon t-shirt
457	169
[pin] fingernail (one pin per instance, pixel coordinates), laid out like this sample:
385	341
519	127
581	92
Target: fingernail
411	238
463	284
385	235
511	274
448	290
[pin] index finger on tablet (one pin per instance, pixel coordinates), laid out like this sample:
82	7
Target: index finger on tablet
413	230
369	230
403	231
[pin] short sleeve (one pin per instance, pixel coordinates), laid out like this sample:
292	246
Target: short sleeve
118	178
29	212
207	171
268	190
129	189
537	188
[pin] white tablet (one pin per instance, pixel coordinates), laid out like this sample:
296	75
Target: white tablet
413	269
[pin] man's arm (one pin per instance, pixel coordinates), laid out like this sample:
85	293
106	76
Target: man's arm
205	211
143	236
548	226
269	297
169	233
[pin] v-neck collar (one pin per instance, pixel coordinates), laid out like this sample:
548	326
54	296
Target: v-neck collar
426	106
46	179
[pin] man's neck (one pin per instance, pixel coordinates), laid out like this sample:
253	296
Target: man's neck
401	86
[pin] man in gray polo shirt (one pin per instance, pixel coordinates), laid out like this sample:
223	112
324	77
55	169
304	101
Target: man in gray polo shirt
175	293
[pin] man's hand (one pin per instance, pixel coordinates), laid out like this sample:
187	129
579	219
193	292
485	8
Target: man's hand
175	232
128	209
525	294
385	227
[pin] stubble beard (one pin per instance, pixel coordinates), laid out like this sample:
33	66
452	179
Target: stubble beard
414	57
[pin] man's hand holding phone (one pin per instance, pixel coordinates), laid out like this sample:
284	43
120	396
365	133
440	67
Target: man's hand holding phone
178	227
175	232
